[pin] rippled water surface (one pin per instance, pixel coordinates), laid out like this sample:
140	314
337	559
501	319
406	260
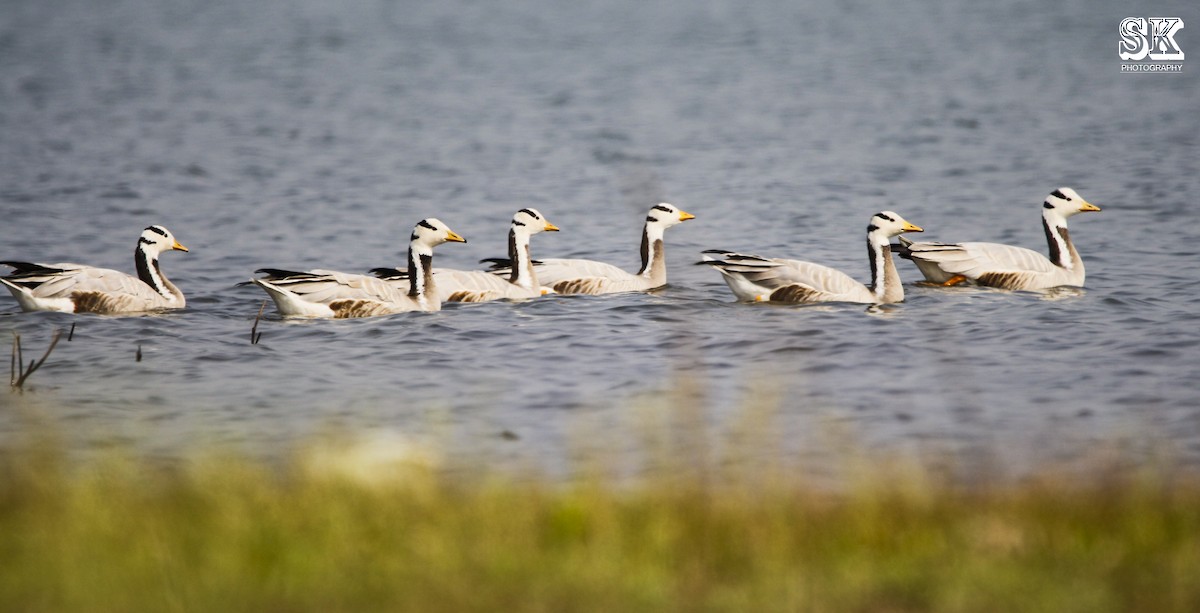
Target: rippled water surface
315	134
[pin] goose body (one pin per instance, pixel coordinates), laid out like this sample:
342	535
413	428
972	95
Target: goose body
76	288
576	276
327	293
1006	266
758	279
479	286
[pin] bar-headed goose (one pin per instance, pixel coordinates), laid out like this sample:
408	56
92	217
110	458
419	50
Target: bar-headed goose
74	288
479	286
760	279
327	293
570	276
1005	266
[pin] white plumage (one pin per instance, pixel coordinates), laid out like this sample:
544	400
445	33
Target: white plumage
1006	266
759	279
327	293
76	288
575	276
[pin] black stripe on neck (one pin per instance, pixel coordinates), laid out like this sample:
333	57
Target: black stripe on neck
145	264
420	273
1056	254
875	259
645	250
514	257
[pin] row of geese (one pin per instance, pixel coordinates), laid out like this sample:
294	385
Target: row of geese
75	288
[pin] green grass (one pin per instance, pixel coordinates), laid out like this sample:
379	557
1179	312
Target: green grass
330	531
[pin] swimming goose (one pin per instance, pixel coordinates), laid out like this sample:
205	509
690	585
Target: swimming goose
479	286
1005	266
569	276
760	279
327	293
75	288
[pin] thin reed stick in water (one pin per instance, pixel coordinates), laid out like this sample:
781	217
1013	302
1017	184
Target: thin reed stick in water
255	335
18	360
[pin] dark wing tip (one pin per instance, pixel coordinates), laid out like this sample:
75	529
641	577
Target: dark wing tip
389	273
281	273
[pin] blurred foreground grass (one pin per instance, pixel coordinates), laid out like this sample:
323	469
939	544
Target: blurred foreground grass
334	530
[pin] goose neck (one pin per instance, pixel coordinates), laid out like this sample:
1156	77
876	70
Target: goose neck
151	274
885	279
1058	240
654	264
522	273
420	271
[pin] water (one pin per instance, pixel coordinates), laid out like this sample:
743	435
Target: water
313	134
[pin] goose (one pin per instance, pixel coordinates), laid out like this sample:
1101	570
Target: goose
1005	266
758	279
327	293
480	286
75	288
571	276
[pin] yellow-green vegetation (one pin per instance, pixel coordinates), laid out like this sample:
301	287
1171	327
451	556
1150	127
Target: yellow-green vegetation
331	531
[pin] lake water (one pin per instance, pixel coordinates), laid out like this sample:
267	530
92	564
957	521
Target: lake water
315	134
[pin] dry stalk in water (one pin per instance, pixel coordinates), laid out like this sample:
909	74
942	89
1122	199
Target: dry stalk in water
255	335
19	372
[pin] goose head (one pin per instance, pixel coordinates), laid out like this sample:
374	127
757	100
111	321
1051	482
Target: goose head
157	239
1063	203
664	215
431	232
886	224
530	221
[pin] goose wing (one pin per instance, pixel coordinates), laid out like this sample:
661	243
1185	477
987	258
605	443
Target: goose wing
326	286
64	280
475	286
976	259
753	277
555	270
568	276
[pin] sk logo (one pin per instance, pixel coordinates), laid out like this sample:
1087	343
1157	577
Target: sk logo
1153	38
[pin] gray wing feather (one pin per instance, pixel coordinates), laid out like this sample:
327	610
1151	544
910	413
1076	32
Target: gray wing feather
476	286
756	277
71	278
326	286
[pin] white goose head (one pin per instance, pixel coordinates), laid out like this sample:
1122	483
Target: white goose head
1063	203
157	239
664	215
431	232
530	221
886	224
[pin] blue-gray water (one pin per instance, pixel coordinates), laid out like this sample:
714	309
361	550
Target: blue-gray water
315	134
